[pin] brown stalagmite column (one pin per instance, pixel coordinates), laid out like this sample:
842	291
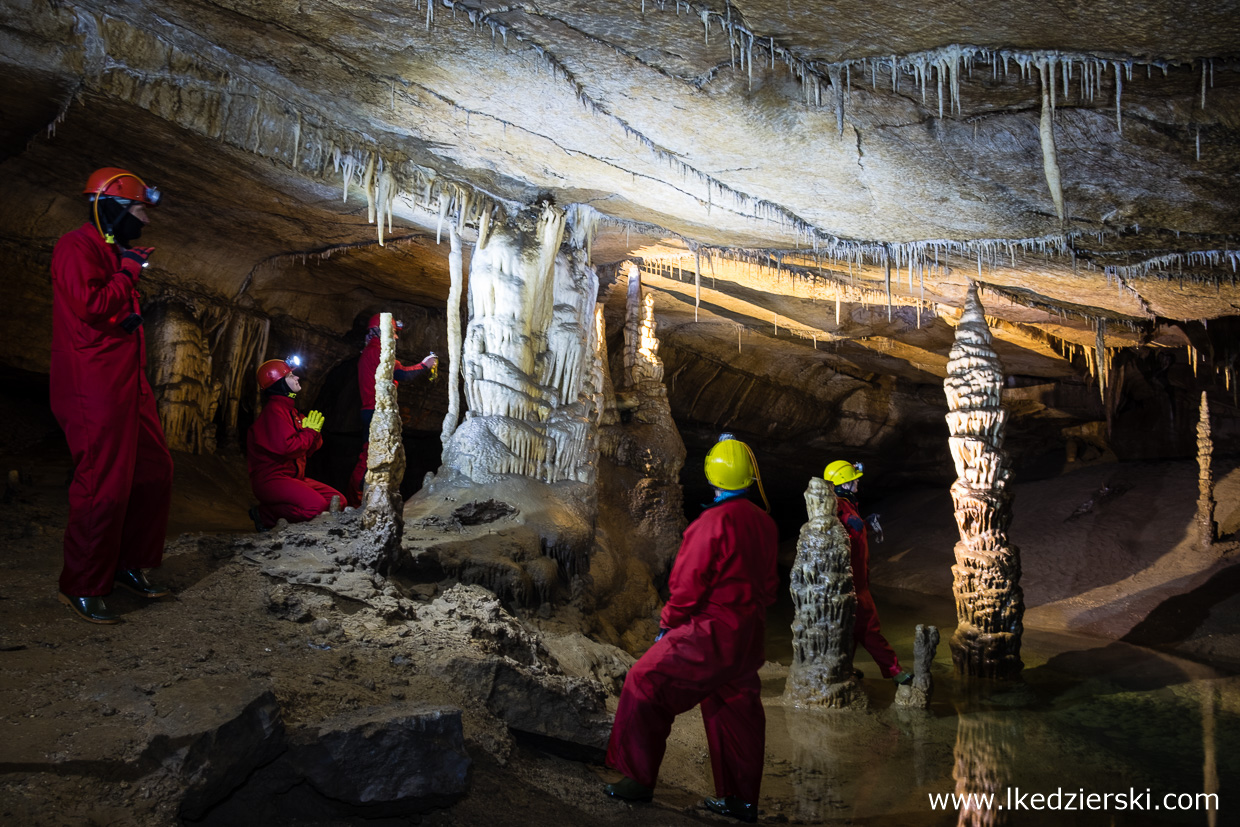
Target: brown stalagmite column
824	604
385	464
986	577
1206	527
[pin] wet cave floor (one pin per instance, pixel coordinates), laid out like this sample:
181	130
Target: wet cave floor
1089	716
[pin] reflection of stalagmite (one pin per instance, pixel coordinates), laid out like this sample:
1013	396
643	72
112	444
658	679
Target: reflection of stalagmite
824	604
385	464
1206	527
985	743
986	578
917	693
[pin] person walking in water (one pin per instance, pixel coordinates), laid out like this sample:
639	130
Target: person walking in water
866	629
710	647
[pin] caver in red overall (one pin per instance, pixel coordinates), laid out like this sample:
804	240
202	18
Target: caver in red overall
122	482
722	582
278	446
367	365
866	629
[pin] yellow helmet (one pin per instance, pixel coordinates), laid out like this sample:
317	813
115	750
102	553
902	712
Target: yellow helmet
841	471
728	465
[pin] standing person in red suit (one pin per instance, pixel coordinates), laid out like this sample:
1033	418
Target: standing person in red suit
278	444
866	629
709	648
122	481
367	365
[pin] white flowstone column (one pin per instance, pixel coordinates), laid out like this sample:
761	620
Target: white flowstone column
528	356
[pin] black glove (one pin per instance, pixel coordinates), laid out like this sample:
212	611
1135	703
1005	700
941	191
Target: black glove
876	527
132	322
134	259
661	633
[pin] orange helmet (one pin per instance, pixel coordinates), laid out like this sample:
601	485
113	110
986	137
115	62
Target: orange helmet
120	183
272	371
397	324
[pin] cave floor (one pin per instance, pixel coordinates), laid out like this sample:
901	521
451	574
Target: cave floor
1089	715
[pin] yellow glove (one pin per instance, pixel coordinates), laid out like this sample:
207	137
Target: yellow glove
314	420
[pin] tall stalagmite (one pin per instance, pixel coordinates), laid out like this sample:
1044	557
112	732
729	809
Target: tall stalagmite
824	604
385	464
986	577
1206	527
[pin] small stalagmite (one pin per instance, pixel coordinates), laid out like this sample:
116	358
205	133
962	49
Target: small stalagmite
986	577
825	605
917	694
1207	529
385	464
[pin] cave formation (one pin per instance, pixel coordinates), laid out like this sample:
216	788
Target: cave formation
626	228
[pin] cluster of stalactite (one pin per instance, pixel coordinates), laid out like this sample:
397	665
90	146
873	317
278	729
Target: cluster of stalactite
824	604
529	357
179	367
201	360
385	463
1206	527
986	577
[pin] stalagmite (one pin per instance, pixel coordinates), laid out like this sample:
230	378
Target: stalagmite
925	644
1207	528
986	577
385	465
824	606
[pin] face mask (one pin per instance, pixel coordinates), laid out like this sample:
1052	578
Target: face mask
127	229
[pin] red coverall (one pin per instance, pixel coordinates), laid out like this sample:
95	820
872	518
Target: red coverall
122	483
278	448
367	365
866	629
722	582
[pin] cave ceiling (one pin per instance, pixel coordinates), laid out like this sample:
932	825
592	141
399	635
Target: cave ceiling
815	174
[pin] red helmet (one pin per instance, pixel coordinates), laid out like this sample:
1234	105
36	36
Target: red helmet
120	183
272	371
396	323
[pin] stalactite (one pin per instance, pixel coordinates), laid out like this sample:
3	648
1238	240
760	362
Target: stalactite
824	605
1207	528
986	576
1050	163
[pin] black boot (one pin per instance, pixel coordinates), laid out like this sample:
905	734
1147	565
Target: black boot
135	581
91	609
733	807
258	521
629	790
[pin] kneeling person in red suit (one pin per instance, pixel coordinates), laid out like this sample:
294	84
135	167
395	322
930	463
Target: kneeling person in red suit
279	442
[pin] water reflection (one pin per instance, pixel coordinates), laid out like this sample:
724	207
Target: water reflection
1128	725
